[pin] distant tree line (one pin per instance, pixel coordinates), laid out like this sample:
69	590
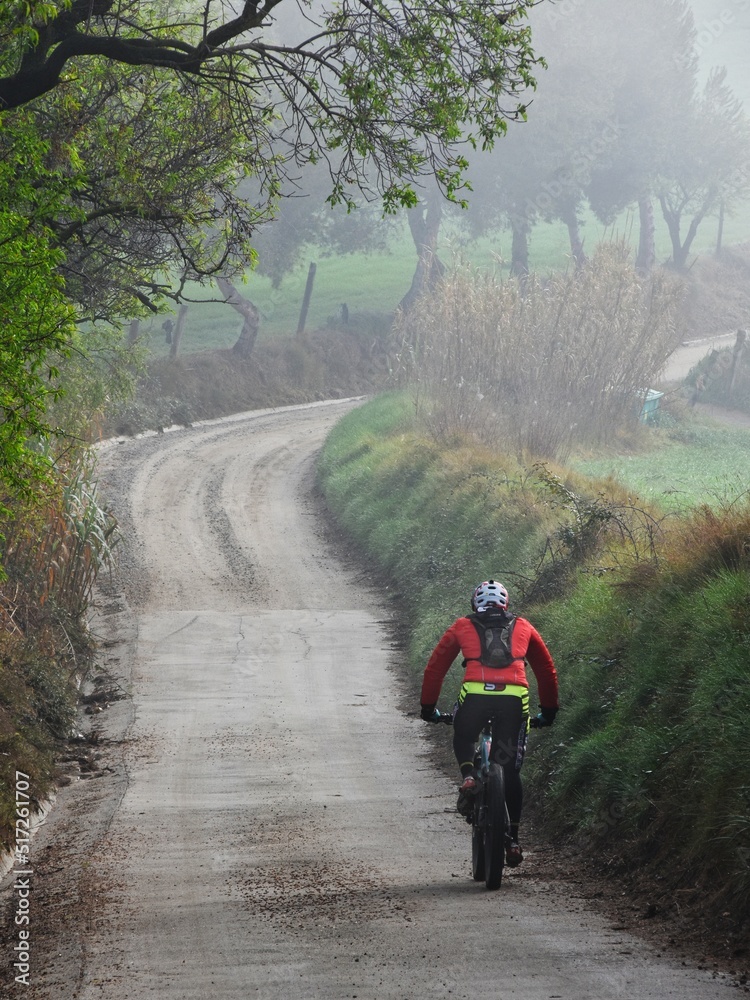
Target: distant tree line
620	119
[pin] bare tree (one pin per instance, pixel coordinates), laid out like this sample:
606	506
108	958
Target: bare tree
710	164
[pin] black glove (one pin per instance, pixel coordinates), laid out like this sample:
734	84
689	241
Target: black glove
545	718
428	713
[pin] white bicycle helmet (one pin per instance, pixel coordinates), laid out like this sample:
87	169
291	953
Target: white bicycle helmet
489	594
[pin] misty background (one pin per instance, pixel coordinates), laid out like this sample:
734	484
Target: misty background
611	110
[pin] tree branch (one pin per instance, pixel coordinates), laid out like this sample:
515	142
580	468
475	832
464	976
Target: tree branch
60	41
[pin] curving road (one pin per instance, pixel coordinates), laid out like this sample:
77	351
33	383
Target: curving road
274	827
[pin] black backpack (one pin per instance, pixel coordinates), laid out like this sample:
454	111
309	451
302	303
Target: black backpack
495	630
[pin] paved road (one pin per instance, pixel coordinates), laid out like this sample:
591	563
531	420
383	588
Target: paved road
274	827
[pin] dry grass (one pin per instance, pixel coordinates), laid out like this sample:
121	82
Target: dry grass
55	551
708	542
539	365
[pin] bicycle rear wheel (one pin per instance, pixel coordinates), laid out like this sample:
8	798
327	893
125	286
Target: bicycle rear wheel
494	834
477	843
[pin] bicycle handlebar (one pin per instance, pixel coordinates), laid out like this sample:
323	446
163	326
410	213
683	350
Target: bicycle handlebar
536	721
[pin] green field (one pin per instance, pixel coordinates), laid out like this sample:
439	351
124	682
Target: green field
367	284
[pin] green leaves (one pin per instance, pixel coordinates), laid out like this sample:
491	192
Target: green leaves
394	88
421	80
35	316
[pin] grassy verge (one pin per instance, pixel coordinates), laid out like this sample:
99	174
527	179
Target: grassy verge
724	377
651	754
438	518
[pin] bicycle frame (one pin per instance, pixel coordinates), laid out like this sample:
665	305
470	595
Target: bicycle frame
483	751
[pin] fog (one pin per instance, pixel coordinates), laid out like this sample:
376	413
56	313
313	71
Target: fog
631	132
723	37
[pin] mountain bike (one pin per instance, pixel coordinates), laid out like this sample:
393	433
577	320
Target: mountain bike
490	823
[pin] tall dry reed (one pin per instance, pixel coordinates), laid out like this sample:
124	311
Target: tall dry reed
539	365
56	551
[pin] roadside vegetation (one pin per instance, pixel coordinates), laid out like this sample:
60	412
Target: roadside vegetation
53	548
646	610
723	377
539	364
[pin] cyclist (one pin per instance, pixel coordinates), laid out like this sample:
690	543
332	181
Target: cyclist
495	646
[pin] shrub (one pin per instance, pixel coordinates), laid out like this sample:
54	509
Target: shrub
653	749
539	364
723	376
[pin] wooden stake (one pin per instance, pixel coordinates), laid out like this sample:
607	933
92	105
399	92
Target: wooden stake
306	300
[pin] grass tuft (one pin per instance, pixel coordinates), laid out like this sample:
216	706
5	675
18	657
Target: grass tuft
542	365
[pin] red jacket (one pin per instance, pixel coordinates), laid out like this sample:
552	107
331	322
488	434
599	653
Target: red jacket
526	644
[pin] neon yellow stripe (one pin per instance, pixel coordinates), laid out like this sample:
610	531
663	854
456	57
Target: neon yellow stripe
479	687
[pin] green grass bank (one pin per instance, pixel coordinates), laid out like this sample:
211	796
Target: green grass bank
650	759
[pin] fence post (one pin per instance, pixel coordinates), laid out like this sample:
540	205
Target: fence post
306	300
177	332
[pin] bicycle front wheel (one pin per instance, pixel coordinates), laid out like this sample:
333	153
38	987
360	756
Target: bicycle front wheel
494	834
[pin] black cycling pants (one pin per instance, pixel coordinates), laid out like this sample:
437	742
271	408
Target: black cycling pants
510	722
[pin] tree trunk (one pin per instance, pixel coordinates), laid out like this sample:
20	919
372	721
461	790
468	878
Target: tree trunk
570	218
519	254
720	234
133	331
646	259
691	234
250	318
673	220
177	332
576	243
424	223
